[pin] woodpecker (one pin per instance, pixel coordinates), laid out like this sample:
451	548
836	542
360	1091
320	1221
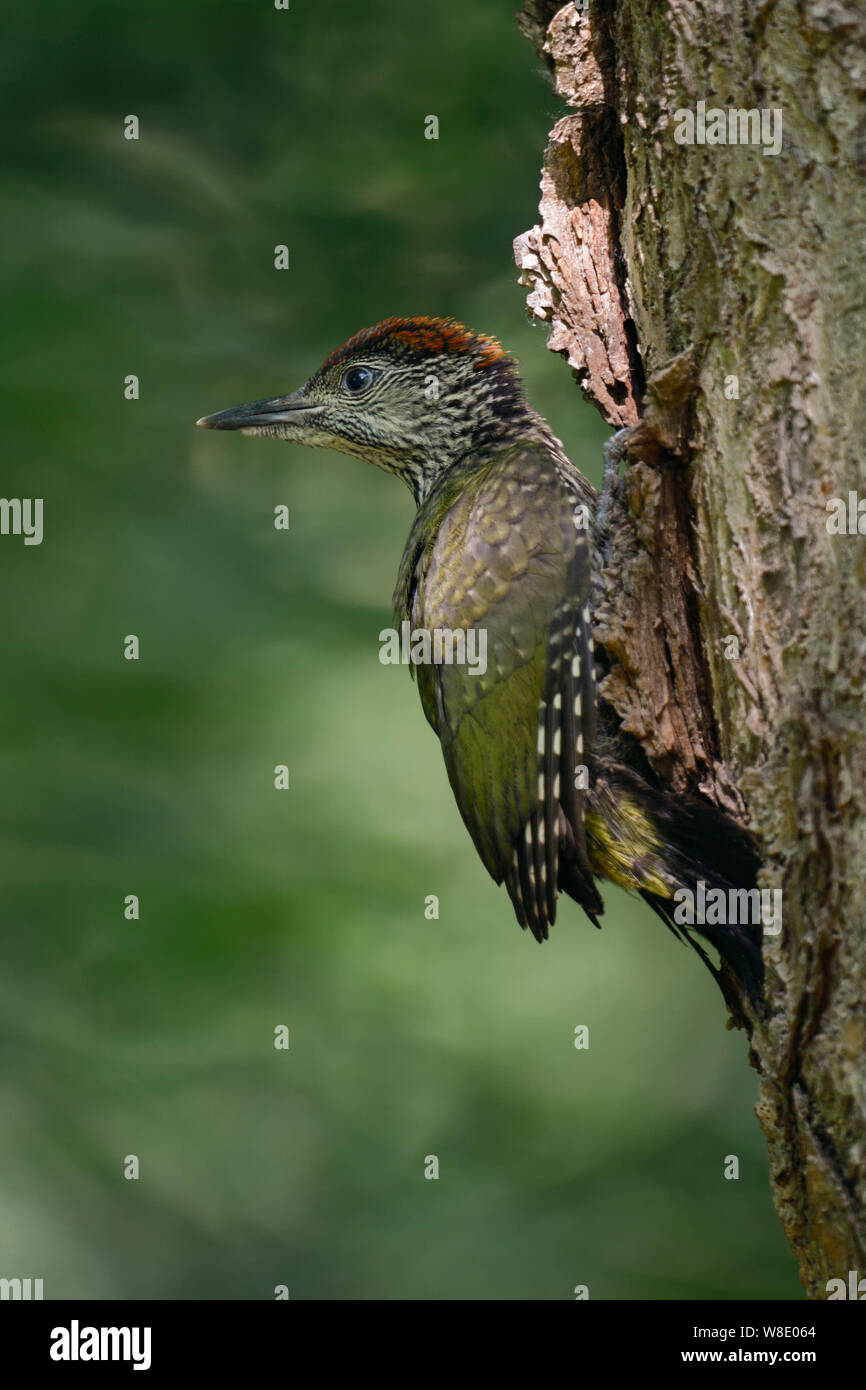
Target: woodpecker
509	539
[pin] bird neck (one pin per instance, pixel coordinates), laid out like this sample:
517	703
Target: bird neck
518	423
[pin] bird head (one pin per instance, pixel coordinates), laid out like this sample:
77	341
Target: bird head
409	395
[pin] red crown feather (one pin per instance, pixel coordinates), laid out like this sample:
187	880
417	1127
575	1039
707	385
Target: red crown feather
421	335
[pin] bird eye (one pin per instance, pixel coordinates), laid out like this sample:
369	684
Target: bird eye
357	379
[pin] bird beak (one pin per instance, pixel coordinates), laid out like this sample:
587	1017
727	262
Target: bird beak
293	411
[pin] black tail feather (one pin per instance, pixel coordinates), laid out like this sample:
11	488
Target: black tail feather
739	946
680	852
705	847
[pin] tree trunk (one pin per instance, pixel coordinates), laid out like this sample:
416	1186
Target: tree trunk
714	292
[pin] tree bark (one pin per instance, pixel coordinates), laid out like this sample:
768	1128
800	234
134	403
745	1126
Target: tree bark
713	295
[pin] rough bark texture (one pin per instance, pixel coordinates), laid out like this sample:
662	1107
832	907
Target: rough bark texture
665	270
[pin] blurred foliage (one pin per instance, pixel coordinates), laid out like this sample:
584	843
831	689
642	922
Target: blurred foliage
408	1037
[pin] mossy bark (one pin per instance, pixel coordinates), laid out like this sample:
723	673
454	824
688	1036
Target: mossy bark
714	294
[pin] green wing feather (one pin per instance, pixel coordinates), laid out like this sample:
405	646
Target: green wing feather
496	548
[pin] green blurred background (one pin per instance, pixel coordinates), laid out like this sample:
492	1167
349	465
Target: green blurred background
409	1037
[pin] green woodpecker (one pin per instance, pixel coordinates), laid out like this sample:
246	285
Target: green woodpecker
508	541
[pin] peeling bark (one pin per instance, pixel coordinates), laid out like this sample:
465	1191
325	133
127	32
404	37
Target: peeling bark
715	293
